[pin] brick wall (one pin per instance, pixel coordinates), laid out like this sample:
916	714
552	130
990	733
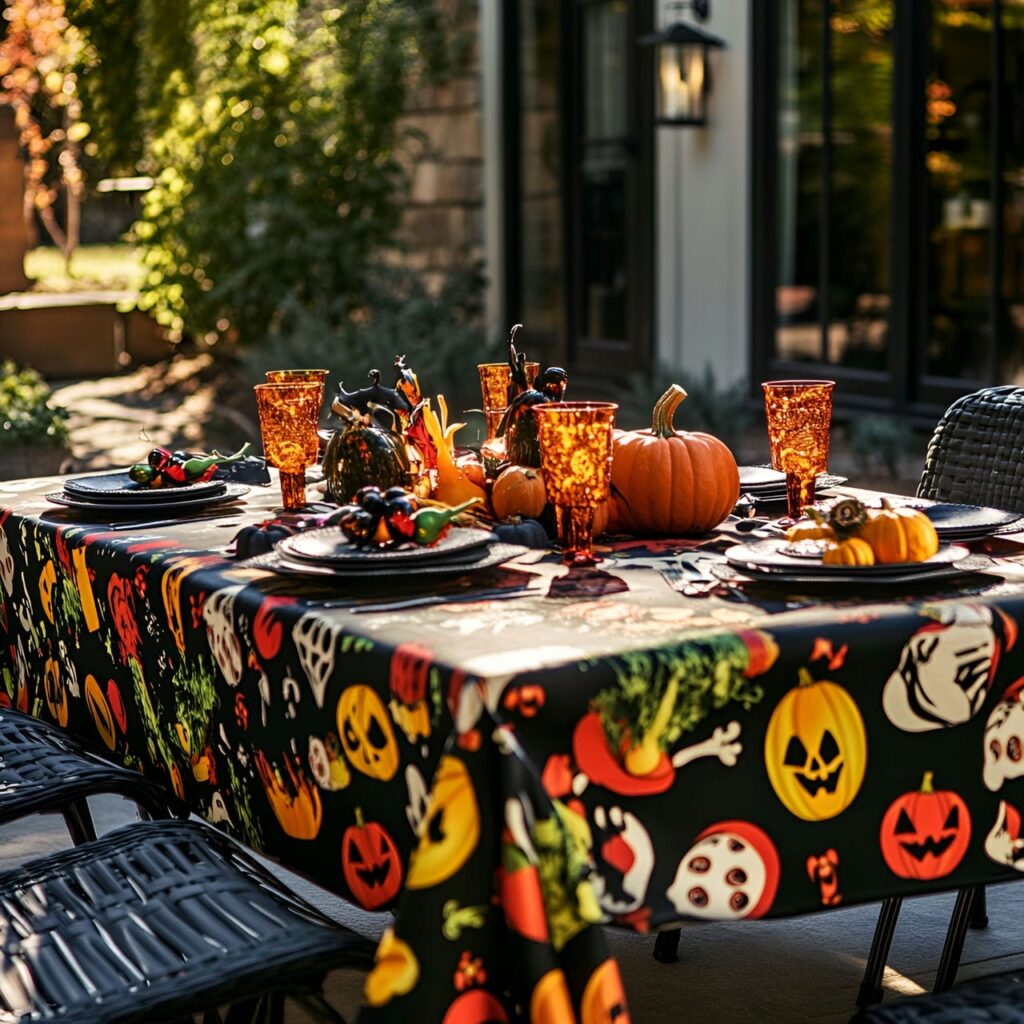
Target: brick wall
442	226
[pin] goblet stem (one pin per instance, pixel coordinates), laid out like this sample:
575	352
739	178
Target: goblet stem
576	533
799	493
293	489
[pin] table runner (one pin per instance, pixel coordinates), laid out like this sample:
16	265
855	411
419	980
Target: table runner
465	763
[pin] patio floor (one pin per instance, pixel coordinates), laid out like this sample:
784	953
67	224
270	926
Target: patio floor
770	972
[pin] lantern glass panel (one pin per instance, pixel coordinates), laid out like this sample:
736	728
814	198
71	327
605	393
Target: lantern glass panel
681	75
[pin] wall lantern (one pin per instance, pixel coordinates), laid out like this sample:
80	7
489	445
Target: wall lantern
683	76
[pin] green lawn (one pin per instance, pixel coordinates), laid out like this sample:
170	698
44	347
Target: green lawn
103	267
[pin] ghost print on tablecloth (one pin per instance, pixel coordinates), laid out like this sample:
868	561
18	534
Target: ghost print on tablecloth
947	667
1004	843
730	872
1004	738
623	859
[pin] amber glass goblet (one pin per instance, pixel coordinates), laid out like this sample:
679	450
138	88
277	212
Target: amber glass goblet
495	379
576	457
799	414
289	415
496	387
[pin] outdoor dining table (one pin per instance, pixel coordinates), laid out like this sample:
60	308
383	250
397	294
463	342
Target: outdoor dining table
509	759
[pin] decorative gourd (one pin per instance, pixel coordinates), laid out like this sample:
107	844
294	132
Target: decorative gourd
453	484
852	551
359	456
925	833
815	749
900	535
670	482
518	491
814	528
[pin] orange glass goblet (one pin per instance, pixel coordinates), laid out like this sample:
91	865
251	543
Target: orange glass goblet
576	457
289	415
799	414
296	376
495	379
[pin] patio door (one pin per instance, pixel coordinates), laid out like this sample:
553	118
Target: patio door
579	183
890	207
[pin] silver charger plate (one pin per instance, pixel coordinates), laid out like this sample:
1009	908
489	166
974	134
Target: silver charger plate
483	558
231	492
330	546
767	556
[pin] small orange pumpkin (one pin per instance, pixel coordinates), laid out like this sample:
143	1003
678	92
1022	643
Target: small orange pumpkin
519	491
670	482
900	535
852	551
810	529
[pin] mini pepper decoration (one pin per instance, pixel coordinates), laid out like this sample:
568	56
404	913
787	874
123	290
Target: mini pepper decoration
394	517
165	468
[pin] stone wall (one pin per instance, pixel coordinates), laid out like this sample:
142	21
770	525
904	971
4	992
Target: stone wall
443	226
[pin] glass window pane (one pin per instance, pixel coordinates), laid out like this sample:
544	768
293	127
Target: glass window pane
540	211
605	54
604	246
798	334
1012	369
860	197
958	142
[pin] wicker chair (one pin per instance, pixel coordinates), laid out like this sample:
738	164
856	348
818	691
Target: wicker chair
974	454
43	769
988	1001
158	921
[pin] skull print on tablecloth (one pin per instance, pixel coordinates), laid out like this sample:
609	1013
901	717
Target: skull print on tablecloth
731	871
316	640
222	633
1004	843
946	668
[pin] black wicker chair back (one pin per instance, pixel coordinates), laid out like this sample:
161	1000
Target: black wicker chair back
43	768
154	922
975	454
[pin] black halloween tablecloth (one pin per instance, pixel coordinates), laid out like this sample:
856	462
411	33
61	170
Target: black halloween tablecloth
630	744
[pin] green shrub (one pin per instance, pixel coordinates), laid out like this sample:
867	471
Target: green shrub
26	418
438	334
278	174
724	412
879	442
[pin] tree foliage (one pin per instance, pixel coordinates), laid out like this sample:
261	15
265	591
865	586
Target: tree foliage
278	171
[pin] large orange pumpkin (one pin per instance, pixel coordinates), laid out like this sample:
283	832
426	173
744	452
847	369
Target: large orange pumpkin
671	482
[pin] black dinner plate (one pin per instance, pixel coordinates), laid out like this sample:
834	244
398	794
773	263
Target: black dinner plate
973	520
470	561
171	503
329	546
768	484
120	489
731	574
766	556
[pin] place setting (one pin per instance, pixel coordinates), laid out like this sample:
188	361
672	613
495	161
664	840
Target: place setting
167	484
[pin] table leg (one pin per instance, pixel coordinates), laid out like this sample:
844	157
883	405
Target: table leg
949	962
666	946
871	987
979	909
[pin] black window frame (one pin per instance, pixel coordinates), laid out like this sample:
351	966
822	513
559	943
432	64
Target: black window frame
590	357
903	387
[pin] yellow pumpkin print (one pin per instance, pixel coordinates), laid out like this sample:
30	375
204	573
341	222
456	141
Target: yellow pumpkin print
367	735
815	749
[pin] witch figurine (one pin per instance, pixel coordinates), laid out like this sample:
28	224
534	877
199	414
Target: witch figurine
518	426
